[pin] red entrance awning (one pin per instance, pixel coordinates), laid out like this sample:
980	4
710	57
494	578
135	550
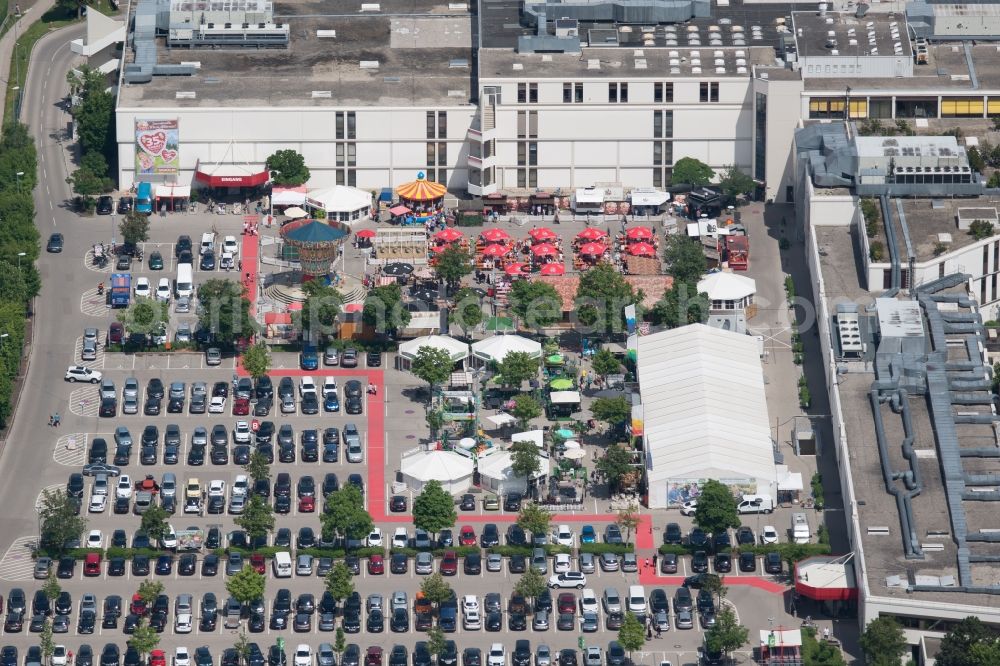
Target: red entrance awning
231	175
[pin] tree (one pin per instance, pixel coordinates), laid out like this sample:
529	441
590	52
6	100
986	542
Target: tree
435	589
256	360
452	265
535	304
616	466
52	588
154	523
533	518
517	368
144	315
242	647
384	309
716	509
980	229
819	653
968	638
257	467
882	642
531	583
134	228
432	365
734	183
613	411
631	635
339	581
689	171
340	642
320	310
246	585
601	298
288	168
435	419
435	641
149	590
605	363
685	259
434	508
680	306
86	183
524	460
144	639
628	519
467	312
60	523
716	585
344	514
525	408
12	284
225	311
45	641
257	517
728	634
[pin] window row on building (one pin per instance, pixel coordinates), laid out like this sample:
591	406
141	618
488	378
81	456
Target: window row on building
903	107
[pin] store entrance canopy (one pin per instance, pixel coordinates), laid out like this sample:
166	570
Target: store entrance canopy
173	191
231	175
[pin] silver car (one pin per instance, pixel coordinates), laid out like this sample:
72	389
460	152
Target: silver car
541	621
399	600
325	655
107	389
89	351
543	656
177	390
587	563
288	404
424	563
130	405
685	619
540	561
131	388
182	304
494	562
213	356
609	562
629	563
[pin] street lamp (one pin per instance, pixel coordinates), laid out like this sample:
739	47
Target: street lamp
19	174
19	255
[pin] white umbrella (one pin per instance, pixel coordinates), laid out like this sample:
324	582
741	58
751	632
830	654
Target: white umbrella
295	212
571	444
575	454
467	443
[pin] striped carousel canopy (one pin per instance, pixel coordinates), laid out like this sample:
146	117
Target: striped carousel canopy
421	189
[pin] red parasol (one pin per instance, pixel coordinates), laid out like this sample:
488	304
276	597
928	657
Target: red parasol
495	251
593	249
514	269
543	234
591	234
553	269
545	250
639	233
642	250
448	235
495	235
366	233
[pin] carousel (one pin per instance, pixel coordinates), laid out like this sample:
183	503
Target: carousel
315	244
420	201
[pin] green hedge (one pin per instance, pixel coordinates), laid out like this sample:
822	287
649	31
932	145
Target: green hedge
601	548
550	549
461	551
790	552
129	553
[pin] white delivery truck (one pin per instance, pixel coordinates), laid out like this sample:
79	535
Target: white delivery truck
800	528
755	504
185	281
282	564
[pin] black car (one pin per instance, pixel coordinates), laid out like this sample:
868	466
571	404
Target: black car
330	483
310	445
310	404
397	504
263	406
84	656
700	580
375	624
512	502
64	603
521	656
286	453
220	455
699	561
153	406
187	564
8	656
241	454
196	456
399	563
472	656
421	654
723	563
352	621
108	408
473	564
123	454
210	565
266	449
697	538
140	565
66	567
14	622
516	535
490	536
373	359
125	204
772	563
75	485
116	566
132	656
164	565
208	261
155	261
519	622
397	657
105	205
745	536
672	534
283	504
400	621
748	562
55	244
147	454
85	623
154	388
567	657
467	503
183	245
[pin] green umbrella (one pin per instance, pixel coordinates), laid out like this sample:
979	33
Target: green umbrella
561	384
555	359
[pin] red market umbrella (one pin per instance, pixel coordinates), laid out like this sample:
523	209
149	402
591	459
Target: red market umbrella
639	233
438	248
545	250
495	251
514	269
495	235
448	235
366	233
642	250
591	234
543	234
553	269
593	249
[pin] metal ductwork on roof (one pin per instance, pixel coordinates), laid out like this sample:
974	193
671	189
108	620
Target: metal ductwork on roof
641	12
145	65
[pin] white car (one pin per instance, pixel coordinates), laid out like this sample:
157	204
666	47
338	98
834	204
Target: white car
563	536
303	655
142	289
561	564
375	538
497	655
400	539
241	433
568	580
94	539
170	538
98	503
124	488
80	373
470	602
689	507
588	601
329	385
241	486
217	488
163	290
307	385
230	245
182	625
217	405
472	621
58	656
768	535
182	657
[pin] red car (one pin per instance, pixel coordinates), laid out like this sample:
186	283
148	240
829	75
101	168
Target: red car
449	563
373	657
116	333
138	606
157	658
241	407
307	504
567	602
258	563
467	537
376	567
92	564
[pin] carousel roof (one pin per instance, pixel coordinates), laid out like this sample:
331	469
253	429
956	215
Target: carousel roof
311	231
421	189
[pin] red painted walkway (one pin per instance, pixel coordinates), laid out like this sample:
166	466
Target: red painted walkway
249	278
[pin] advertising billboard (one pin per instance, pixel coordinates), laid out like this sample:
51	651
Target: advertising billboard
156	147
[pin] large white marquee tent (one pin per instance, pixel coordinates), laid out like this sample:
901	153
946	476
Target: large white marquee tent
453	470
497	347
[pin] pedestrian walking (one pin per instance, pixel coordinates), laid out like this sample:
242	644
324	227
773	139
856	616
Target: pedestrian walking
826	633
56	419
654	561
649	632
240	264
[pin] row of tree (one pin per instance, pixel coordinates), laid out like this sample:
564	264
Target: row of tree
93	115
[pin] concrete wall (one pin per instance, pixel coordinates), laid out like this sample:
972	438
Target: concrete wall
782	109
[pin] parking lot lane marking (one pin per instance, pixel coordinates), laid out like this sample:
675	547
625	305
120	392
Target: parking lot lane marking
71	449
17	563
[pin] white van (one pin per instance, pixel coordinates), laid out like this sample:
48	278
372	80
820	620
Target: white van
185	281
636	599
282	564
800	528
207	242
755	504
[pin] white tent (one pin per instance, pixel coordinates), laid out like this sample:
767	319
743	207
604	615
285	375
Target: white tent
341	203
727	287
704	413
497	347
648	197
453	470
286	197
496	474
457	350
536	436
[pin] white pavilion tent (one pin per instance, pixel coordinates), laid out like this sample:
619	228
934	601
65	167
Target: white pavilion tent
496	474
497	347
458	351
341	203
728	291
452	470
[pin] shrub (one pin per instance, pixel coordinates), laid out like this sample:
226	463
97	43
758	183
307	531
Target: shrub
600	548
876	251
